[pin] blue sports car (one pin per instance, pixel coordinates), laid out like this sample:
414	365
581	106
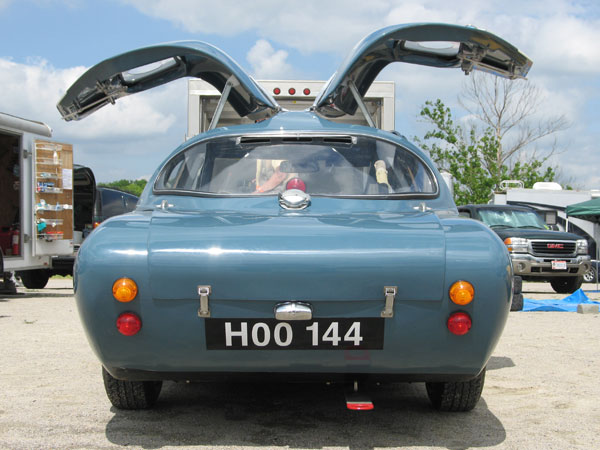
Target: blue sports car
294	247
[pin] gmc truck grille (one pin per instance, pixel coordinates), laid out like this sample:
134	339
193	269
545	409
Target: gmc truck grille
541	248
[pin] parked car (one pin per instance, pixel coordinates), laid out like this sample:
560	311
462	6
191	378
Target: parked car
91	205
537	253
294	247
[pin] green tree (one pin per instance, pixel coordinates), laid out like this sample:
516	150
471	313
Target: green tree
504	148
134	187
471	157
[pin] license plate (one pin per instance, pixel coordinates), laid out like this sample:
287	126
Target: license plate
559	265
316	334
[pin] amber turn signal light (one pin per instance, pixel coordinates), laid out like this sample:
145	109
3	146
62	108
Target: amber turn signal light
124	289
462	292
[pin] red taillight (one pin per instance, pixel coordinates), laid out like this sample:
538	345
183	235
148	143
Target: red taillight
291	91
306	91
129	324
296	183
459	323
276	91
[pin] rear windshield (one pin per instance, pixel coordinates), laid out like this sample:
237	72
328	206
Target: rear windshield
319	166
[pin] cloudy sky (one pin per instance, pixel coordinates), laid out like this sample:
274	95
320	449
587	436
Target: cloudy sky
47	44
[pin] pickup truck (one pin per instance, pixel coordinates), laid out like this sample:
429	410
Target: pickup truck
537	253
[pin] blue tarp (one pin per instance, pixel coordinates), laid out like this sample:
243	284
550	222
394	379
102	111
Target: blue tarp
566	304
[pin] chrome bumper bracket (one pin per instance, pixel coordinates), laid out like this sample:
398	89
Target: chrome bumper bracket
390	295
204	292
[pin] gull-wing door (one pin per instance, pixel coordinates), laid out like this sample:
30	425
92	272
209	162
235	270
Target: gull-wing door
436	45
149	67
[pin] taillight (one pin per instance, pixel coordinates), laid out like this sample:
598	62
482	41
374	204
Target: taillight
462	292
459	323
129	324
124	290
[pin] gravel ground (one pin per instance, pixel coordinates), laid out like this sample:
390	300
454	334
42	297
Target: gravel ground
542	390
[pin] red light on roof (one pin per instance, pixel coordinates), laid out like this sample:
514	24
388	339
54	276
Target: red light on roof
306	91
296	183
291	91
276	91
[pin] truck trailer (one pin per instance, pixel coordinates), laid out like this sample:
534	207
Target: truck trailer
36	198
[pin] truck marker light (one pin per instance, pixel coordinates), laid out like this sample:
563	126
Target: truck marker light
276	91
459	323
462	292
291	91
128	324
124	290
306	91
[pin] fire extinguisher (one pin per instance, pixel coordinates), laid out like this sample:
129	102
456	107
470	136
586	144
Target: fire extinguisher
15	242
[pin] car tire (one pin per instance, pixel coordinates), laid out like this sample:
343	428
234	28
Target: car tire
34	279
456	396
131	394
590	276
517	302
566	285
517	284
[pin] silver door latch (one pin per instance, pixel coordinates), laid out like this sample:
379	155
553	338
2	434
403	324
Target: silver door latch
390	294
204	292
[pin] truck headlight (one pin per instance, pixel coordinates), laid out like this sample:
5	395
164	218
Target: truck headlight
582	247
516	245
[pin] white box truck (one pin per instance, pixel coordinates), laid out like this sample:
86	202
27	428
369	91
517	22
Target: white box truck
36	200
292	95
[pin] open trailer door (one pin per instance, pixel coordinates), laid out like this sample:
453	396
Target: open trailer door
53	198
149	67
435	45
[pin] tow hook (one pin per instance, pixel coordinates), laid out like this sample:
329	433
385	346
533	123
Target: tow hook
358	400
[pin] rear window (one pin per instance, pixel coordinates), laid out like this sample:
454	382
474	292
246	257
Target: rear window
348	166
112	203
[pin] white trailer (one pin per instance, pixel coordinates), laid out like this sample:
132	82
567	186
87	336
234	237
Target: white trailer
36	196
292	95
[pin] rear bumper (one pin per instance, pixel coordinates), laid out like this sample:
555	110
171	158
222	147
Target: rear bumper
532	266
291	377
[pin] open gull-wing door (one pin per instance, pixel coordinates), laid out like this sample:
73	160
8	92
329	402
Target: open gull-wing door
148	67
436	45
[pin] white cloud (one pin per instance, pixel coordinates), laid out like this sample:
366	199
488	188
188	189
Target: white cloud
135	126
553	32
267	62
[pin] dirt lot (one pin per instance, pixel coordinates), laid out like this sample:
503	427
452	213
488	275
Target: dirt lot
542	391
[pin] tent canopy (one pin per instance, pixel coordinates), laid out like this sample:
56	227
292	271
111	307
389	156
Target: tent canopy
589	210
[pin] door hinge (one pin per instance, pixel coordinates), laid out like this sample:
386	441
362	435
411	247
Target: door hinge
26	238
390	294
204	292
26	153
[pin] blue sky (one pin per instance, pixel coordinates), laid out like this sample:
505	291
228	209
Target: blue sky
47	44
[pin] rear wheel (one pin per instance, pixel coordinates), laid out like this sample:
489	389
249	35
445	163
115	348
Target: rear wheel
34	279
456	396
131	394
566	285
517	302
